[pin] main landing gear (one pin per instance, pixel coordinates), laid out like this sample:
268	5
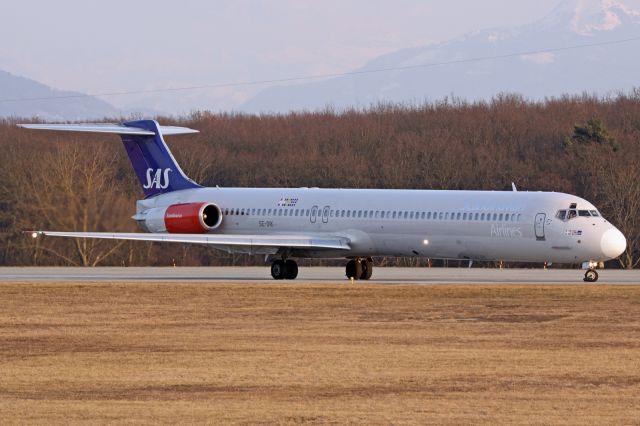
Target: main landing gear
591	276
282	269
359	269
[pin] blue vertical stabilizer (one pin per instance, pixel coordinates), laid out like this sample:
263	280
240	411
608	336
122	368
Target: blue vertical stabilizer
157	170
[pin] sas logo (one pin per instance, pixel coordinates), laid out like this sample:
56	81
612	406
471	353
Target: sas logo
158	179
287	202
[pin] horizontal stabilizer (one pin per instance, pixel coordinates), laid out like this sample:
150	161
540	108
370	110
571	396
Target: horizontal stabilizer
118	129
276	241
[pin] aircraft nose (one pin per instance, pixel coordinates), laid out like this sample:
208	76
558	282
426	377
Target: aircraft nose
613	243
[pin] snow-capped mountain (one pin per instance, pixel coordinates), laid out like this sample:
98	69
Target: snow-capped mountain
545	68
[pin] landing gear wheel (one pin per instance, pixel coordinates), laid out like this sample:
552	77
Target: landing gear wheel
278	270
291	269
591	276
354	269
367	269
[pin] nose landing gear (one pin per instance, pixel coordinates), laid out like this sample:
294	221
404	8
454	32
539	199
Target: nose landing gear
282	269
591	276
359	269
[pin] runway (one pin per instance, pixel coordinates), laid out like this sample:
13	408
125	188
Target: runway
315	275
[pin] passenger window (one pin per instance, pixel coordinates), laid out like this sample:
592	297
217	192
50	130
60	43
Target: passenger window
464	216
382	215
477	215
365	214
422	215
500	217
406	215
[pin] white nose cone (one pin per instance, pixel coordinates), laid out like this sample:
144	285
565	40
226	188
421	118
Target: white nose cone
613	243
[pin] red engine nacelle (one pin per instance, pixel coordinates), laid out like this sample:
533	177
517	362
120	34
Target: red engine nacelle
192	218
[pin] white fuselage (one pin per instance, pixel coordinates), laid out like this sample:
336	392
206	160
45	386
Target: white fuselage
478	225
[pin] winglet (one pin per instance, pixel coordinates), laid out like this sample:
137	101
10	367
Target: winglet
513	187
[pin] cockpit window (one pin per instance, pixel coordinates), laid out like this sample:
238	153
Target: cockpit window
572	213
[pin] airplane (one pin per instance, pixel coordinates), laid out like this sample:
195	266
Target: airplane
285	224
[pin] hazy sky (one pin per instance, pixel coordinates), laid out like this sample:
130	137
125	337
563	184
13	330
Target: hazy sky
93	46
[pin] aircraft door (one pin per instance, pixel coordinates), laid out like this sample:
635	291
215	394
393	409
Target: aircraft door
539	226
314	213
325	214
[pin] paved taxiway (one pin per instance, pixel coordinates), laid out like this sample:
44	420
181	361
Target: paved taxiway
316	274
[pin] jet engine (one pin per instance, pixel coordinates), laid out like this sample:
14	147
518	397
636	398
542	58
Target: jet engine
188	218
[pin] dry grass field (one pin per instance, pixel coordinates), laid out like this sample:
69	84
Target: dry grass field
309	353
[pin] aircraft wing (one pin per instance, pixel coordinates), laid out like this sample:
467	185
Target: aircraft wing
246	242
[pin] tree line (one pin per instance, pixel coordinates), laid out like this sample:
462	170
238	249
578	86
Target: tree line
585	145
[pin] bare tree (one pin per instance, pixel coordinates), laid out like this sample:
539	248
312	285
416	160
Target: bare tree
73	188
618	190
